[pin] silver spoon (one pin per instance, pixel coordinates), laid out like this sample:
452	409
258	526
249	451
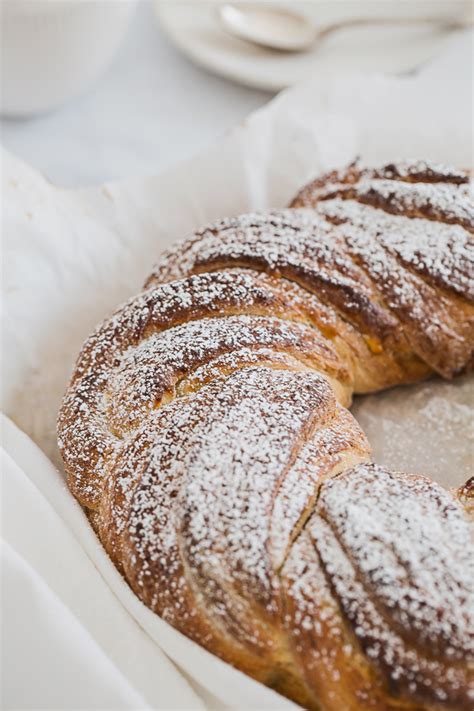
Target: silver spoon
288	31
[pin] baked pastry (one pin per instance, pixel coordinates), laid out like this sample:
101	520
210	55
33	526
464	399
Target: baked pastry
206	434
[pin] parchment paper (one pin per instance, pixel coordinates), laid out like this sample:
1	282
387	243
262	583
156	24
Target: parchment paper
70	257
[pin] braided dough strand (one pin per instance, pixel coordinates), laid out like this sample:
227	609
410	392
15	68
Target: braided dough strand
206	434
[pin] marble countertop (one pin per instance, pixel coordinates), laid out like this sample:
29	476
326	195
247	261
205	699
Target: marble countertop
151	110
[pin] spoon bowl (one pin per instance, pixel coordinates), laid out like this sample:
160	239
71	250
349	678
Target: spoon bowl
274	28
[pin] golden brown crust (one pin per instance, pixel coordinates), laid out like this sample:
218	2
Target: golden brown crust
465	494
205	432
391	597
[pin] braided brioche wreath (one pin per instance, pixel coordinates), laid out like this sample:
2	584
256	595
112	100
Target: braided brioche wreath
206	434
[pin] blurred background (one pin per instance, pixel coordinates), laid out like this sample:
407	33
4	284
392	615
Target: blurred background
98	90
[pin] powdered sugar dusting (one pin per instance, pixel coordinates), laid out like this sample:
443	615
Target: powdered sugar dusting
204	427
443	253
149	370
387	543
414	188
451	204
366	508
379	263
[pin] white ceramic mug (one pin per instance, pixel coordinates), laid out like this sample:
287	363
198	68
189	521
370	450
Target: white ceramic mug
53	49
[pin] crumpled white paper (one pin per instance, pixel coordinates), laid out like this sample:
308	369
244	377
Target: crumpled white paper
70	257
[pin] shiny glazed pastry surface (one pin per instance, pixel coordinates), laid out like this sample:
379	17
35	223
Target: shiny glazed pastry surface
206	434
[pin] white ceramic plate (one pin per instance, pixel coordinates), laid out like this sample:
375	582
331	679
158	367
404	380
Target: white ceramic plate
193	27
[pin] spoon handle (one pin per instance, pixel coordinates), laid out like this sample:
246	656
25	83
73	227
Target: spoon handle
364	21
